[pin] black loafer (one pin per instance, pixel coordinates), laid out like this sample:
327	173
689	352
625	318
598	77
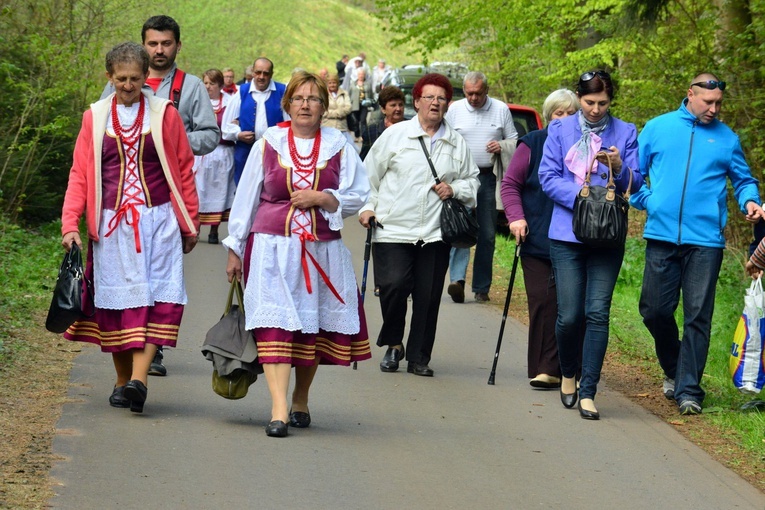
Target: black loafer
276	428
390	361
568	399
212	239
118	398
300	420
136	392
419	369
588	415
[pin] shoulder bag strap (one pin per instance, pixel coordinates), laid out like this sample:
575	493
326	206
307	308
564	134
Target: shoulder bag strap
175	91
432	168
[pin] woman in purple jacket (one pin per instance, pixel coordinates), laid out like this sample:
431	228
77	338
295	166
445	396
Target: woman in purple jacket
585	275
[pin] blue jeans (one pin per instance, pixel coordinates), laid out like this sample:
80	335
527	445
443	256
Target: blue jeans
486	211
670	268
585	279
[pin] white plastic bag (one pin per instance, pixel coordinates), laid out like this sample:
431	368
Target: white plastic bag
746	357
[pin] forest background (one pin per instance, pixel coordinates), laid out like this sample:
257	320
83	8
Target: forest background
51	68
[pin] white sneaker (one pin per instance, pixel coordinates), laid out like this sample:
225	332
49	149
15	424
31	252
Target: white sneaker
668	388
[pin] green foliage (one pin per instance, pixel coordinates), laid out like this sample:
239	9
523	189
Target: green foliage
29	261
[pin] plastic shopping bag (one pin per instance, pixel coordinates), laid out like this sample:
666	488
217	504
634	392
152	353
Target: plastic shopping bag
746	356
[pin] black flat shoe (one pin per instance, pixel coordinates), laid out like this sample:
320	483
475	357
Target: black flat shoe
212	239
136	392
118	398
390	361
419	369
588	415
300	420
276	428
568	399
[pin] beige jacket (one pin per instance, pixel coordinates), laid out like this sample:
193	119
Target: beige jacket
338	110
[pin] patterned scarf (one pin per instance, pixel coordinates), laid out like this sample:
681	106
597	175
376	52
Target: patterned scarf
581	155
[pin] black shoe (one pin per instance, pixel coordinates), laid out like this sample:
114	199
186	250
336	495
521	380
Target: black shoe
300	420
136	392
118	398
157	368
390	361
588	415
457	291
419	369
568	399
212	238
276	428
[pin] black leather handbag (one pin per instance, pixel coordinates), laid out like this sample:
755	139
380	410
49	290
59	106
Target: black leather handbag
66	305
459	227
600	213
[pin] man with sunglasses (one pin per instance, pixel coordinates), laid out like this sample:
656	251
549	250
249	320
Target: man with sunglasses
254	109
688	155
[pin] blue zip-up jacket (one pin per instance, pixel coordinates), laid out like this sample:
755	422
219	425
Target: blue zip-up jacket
685	165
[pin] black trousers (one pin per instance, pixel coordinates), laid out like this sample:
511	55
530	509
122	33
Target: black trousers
401	270
543	311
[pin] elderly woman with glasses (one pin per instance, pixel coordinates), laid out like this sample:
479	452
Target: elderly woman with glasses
585	275
301	301
410	258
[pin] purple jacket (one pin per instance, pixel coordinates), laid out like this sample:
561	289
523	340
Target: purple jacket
558	182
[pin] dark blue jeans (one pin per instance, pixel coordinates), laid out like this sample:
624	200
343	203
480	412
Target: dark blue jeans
585	279
670	269
483	262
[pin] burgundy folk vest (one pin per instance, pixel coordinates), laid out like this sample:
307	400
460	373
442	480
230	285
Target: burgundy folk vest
275	211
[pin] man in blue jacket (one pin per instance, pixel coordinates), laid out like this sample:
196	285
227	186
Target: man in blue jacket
688	155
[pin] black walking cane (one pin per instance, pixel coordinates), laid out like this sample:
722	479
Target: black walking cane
367	250
504	314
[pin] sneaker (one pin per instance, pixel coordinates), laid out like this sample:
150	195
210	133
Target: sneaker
457	291
157	368
668	388
689	407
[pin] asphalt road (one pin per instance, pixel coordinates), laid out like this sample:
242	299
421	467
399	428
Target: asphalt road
377	440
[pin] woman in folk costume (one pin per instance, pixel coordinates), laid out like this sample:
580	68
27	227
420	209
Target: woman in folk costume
132	178
214	172
301	299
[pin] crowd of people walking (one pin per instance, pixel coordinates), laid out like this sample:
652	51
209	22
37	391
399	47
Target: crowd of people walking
286	164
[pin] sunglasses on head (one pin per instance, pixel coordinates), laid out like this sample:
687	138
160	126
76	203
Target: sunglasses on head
709	84
592	74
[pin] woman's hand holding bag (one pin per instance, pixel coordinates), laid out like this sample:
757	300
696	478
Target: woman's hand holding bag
600	213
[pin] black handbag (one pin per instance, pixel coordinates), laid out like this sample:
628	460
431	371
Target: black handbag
600	213
459	227
66	305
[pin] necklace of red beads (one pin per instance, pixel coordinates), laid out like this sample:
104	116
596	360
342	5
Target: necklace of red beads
218	109
128	136
304	164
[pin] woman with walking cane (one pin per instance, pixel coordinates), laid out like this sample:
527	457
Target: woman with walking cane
301	300
529	211
409	254
585	275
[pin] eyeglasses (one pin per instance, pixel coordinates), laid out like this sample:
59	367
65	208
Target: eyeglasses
312	100
592	74
261	73
430	99
709	84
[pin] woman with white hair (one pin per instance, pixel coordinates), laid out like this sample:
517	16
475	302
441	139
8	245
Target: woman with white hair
529	211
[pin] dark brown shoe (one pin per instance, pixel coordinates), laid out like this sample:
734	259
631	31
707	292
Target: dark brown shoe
457	291
481	297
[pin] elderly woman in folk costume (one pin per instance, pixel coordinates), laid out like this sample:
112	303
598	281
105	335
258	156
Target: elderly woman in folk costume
214	172
301	299
132	178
